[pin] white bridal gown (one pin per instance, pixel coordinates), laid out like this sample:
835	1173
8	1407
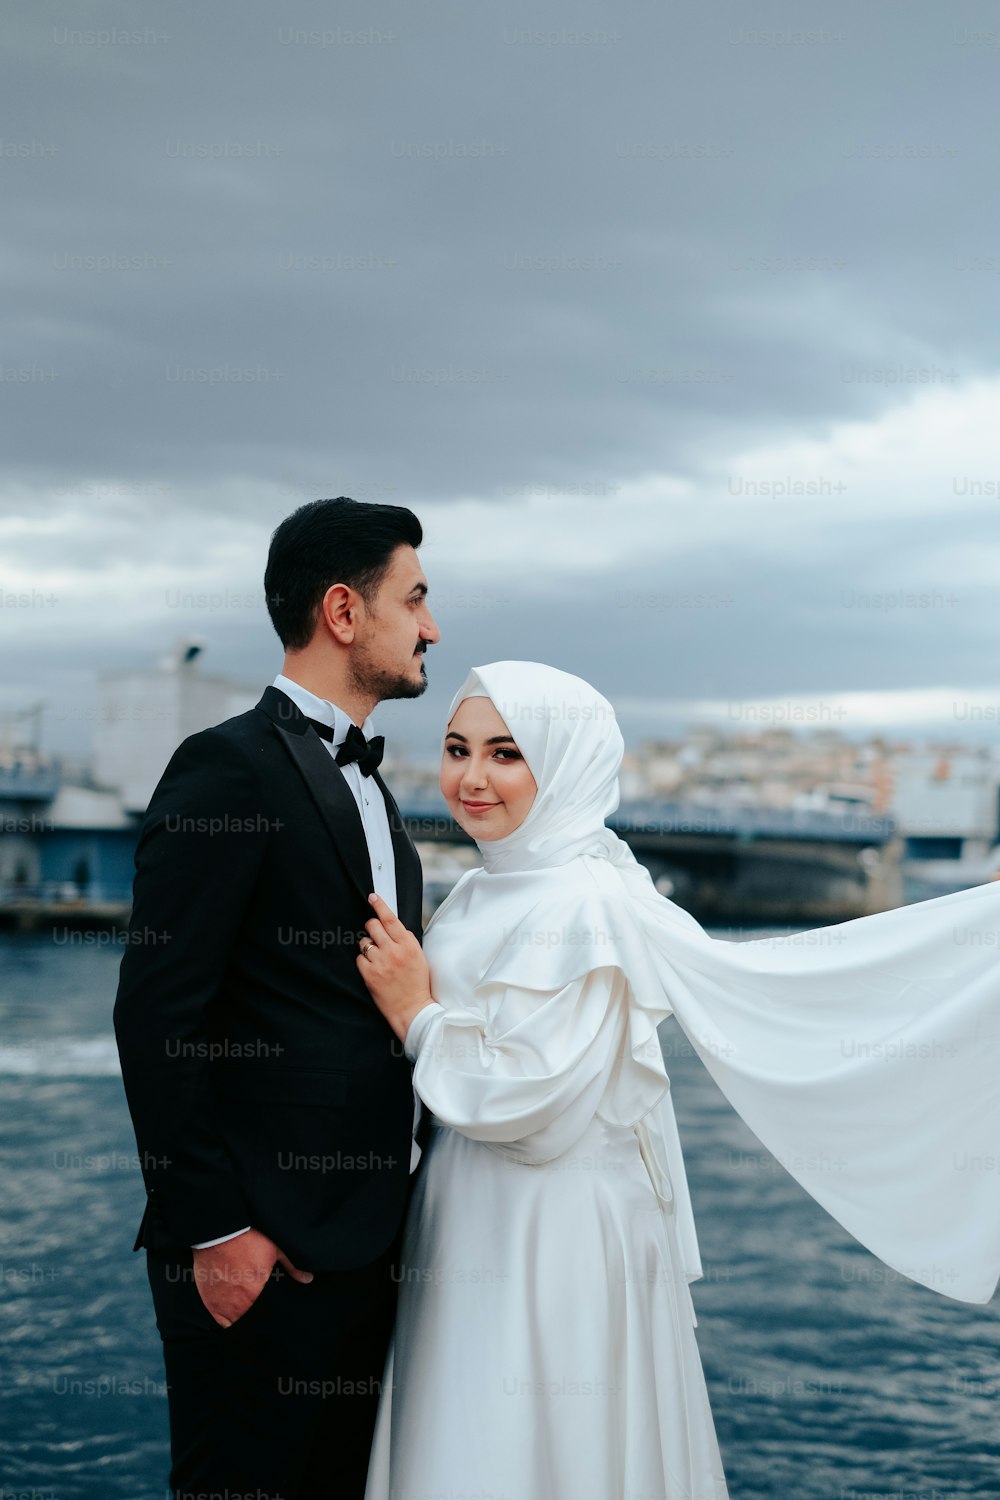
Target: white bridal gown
545	1347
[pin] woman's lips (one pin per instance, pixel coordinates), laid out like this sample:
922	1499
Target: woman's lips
475	807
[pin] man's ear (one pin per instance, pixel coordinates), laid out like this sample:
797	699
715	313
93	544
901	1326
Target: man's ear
338	612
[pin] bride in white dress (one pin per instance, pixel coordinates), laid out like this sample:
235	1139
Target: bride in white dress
544	1346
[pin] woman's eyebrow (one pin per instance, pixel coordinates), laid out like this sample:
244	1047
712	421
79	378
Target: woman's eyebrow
497	739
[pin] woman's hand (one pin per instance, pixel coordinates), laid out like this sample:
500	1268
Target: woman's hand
393	966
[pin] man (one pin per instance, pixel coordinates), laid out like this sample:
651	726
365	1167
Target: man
272	1107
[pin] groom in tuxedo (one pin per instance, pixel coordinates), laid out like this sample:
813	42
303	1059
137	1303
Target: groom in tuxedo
272	1108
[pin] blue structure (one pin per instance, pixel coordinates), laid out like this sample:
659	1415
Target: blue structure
62	846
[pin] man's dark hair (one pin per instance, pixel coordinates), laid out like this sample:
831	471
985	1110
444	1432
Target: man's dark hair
328	542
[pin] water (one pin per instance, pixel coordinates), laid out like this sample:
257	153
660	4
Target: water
831	1377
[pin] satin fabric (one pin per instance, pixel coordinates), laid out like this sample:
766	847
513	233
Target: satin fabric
865	1056
544	1344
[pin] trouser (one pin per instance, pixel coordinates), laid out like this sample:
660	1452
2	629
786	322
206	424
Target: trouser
281	1405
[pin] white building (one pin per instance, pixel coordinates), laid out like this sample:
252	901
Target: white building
946	801
947	805
144	715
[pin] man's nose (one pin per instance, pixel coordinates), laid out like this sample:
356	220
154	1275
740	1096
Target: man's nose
429	630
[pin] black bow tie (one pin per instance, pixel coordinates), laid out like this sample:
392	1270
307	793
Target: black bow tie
367	753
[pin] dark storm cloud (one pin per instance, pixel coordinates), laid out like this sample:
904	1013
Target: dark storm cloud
262	249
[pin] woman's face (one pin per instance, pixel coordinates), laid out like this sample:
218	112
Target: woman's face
484	777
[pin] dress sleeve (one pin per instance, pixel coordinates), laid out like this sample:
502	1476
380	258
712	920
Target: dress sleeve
526	1073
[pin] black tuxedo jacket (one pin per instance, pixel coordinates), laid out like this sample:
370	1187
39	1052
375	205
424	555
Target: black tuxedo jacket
264	1085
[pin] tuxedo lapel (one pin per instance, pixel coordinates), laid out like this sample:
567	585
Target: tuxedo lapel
409	874
326	785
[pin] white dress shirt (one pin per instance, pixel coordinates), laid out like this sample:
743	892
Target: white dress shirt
364	789
375	820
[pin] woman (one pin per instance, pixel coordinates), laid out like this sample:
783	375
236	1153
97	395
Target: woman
544	1343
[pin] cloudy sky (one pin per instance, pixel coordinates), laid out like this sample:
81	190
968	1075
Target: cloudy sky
677	324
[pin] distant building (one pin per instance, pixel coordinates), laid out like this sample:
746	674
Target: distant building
946	802
144	715
67	842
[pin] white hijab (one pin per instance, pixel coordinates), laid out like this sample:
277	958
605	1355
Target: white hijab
570	739
865	1056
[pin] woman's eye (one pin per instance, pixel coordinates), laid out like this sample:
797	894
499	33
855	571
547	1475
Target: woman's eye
509	754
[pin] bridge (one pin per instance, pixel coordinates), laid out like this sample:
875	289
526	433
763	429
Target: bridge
727	863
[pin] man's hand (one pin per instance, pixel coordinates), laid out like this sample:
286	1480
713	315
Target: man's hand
231	1276
393	966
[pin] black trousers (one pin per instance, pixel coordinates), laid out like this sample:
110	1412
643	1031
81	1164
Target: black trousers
281	1405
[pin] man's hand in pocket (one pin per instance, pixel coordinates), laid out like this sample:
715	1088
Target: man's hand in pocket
231	1276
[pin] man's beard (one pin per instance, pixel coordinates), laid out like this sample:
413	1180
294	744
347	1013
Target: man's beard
367	677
